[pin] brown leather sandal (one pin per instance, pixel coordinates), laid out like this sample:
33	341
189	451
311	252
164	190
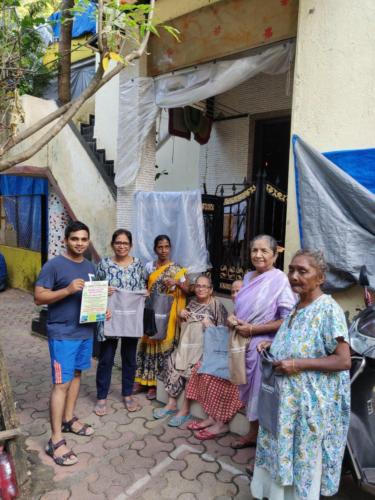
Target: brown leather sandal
85	430
67	459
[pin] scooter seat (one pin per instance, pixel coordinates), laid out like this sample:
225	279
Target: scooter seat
369	474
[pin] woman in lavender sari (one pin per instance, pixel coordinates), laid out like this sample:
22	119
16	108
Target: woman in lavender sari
260	307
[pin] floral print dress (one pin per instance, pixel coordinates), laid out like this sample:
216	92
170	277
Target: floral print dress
128	278
314	406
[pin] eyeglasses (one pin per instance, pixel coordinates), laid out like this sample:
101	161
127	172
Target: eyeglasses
121	244
204	287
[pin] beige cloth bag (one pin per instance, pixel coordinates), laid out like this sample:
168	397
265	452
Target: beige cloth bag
190	347
237	358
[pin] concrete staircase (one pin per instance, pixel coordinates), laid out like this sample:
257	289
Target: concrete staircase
104	166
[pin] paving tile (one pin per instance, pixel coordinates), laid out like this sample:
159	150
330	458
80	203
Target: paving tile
137	426
177	484
154	445
212	488
123	442
243	456
195	466
133	462
138	445
56	494
114	491
109	431
81	491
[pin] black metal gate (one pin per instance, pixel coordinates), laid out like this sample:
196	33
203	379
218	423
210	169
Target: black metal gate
232	220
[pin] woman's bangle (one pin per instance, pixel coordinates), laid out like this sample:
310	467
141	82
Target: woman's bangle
295	370
250	330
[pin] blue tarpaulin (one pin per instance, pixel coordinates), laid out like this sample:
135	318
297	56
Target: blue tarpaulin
358	163
17	185
83	22
336	210
23	207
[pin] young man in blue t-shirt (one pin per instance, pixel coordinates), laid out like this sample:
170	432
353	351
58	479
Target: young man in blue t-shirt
60	285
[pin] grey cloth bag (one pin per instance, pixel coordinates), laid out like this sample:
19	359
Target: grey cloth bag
127	314
215	359
269	394
161	303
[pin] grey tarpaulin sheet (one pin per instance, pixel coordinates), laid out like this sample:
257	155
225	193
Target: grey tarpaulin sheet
336	214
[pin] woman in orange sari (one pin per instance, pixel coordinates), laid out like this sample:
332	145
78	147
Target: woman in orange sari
164	276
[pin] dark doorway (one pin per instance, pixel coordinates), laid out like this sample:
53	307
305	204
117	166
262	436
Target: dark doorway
271	150
257	207
270	174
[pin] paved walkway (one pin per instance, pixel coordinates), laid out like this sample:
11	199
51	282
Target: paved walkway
130	455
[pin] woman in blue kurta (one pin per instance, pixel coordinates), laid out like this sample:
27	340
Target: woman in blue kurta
303	460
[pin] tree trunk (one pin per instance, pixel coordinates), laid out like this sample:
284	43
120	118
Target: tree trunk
65	51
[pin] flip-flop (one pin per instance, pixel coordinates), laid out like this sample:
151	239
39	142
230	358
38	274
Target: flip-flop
100	409
177	421
163	412
196	426
132	405
204	434
243	443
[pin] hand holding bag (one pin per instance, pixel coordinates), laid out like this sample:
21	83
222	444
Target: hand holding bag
149	324
190	347
269	394
127	314
161	304
237	358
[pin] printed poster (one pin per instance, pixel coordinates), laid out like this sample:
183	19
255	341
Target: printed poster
94	301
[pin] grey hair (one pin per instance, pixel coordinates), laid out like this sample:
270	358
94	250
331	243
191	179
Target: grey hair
272	243
317	258
208	278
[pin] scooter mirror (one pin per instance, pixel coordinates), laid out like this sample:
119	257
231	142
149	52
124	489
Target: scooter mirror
363	279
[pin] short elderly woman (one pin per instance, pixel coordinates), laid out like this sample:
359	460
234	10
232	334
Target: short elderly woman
202	307
260	306
303	460
124	271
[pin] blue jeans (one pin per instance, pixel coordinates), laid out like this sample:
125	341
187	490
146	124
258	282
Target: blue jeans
106	359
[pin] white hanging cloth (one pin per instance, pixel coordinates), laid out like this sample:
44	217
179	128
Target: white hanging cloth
142	98
180	216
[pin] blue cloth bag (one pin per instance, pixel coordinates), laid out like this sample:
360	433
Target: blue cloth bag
215	360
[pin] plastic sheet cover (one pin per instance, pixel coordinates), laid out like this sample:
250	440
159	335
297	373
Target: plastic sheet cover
180	216
336	214
142	98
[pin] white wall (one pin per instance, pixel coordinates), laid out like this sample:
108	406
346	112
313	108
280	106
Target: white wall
180	158
106	118
334	89
76	175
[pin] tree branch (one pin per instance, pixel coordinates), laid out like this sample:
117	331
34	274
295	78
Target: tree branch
70	109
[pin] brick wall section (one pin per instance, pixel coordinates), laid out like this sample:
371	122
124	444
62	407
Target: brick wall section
227	157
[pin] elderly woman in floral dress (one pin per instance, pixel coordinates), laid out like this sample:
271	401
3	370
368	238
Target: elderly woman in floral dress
303	459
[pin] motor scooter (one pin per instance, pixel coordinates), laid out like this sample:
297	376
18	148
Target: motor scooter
361	436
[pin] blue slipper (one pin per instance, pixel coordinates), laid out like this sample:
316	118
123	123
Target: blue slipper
162	412
177	421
